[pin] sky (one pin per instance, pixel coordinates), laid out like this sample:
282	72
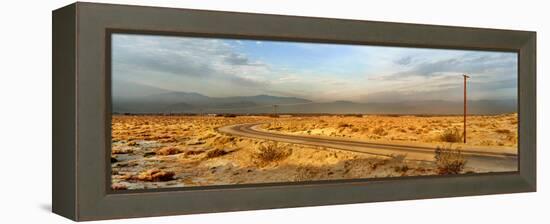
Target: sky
316	71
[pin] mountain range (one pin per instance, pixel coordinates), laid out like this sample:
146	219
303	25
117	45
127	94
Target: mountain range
191	102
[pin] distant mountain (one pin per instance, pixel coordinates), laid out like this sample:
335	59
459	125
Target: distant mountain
238	104
265	99
180	107
189	102
411	107
176	97
125	90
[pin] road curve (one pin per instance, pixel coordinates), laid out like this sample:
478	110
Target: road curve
480	160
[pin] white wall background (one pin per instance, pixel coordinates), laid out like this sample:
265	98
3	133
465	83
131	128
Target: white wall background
25	114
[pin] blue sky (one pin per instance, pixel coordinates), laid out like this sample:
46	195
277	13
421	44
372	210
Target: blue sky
315	71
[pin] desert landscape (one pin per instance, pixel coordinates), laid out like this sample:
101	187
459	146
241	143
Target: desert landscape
205	111
157	151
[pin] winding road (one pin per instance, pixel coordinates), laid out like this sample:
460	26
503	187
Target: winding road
481	159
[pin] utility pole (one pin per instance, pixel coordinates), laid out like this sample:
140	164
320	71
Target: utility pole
465	108
275	109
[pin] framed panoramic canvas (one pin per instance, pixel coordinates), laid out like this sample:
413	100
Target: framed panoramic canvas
202	111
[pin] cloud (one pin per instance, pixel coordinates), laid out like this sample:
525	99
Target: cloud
469	63
221	67
404	60
186	58
166	62
439	76
237	59
289	78
240	59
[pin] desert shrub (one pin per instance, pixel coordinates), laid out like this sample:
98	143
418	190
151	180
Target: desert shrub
512	137
306	173
122	151
379	131
486	142
398	158
119	186
195	142
344	125
449	160
207	136
195	151
401	168
165	151
149	154
382	162
222	141
167	140
156	175
503	131
217	152
270	152
451	135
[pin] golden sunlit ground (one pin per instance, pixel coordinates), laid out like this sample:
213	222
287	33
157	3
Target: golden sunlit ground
179	151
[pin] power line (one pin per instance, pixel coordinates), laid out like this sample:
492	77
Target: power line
465	107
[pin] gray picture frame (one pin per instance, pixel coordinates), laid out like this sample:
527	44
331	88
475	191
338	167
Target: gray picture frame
81	111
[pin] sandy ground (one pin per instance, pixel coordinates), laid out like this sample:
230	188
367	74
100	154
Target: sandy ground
181	151
499	130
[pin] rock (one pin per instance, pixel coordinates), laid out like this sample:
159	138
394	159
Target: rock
122	151
156	175
113	159
219	152
194	151
165	151
149	154
195	142
119	186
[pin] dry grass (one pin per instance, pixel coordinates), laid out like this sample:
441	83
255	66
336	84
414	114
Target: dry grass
449	160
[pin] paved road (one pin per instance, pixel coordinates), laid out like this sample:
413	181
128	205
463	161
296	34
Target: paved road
481	160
